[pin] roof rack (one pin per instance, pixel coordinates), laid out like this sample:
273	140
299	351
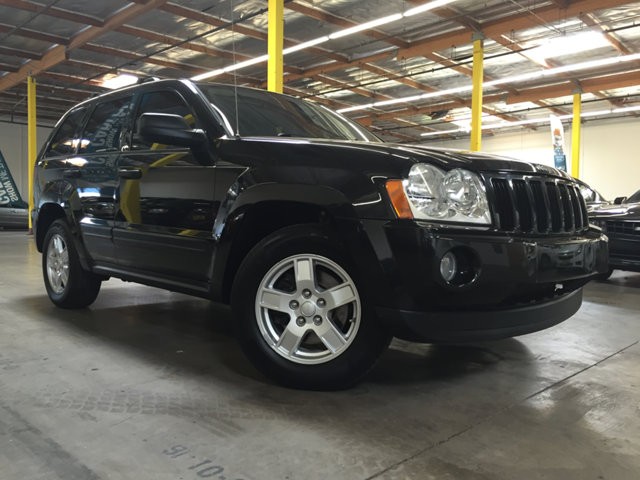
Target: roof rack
147	79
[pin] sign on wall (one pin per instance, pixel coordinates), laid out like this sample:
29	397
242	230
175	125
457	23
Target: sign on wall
9	193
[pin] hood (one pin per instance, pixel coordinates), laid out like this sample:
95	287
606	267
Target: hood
395	155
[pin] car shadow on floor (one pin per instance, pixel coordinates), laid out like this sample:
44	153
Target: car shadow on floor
197	335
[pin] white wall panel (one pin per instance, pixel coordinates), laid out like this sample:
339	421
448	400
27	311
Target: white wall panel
13	144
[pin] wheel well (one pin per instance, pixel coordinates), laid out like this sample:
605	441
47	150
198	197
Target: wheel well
262	220
48	214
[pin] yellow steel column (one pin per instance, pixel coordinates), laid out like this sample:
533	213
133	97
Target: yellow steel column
476	95
31	139
276	36
575	134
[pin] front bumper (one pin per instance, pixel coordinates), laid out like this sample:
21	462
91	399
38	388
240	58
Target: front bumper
519	285
470	326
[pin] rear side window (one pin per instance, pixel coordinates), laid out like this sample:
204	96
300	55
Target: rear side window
65	141
107	124
160	102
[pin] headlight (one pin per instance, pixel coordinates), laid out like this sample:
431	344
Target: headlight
454	196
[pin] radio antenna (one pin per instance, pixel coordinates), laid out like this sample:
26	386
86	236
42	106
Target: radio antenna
235	74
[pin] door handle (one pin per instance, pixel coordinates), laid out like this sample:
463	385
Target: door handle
130	173
72	173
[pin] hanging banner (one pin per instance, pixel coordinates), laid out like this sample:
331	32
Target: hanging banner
557	139
9	194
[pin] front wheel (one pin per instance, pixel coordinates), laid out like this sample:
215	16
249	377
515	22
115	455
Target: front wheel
300	316
68	284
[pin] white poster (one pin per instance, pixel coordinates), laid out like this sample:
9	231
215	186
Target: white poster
557	139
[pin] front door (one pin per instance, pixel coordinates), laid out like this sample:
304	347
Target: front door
165	202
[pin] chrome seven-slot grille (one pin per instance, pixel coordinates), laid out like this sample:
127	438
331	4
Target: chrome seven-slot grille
537	205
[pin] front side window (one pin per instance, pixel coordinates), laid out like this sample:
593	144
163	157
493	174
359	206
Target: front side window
264	114
64	141
107	124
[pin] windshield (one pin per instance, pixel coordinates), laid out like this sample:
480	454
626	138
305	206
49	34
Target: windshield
266	114
635	198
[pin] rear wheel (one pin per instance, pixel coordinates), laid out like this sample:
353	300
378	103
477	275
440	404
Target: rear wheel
68	284
300	315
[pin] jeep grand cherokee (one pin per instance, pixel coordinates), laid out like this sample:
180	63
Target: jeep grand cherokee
325	241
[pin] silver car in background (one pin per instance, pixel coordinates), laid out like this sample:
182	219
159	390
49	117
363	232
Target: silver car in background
14	215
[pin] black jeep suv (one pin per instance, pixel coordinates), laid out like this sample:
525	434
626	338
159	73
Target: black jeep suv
324	240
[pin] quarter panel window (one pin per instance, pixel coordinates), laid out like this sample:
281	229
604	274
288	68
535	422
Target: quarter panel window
65	141
107	124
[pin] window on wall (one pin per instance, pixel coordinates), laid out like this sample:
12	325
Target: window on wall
160	102
65	141
106	126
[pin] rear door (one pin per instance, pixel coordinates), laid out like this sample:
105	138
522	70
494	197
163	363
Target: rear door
165	201
94	169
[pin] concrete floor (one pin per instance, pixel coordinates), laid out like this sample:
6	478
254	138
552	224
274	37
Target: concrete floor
148	384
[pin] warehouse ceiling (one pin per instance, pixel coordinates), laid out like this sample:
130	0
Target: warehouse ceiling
408	78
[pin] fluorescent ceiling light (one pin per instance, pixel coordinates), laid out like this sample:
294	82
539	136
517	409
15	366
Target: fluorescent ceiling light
230	68
441	132
514	79
531	121
366	26
394	101
568	44
626	109
303	45
339	34
113	82
426	7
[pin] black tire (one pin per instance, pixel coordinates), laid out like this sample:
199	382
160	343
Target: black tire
313	365
68	284
603	277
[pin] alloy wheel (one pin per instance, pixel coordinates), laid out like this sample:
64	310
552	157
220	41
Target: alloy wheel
308	309
58	264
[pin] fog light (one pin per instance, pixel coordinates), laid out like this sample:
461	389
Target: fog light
448	266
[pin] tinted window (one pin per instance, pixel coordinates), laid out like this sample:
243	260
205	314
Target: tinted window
160	102
64	141
265	114
107	123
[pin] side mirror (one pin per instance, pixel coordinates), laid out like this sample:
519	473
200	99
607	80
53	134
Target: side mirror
619	200
169	129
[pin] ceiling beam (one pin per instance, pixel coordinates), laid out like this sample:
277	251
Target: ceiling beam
592	20
12	114
8	68
178	66
214	21
590	85
52	11
19	53
324	16
33	34
520	21
59	53
188	45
